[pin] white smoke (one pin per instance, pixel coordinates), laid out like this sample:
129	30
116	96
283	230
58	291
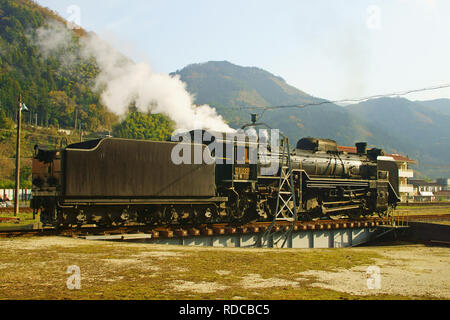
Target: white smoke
52	38
122	82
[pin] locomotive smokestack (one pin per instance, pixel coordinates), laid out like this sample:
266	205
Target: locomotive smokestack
361	147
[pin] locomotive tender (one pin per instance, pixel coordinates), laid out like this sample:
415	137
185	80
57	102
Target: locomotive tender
114	181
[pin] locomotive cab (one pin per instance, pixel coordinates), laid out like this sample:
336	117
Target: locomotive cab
235	155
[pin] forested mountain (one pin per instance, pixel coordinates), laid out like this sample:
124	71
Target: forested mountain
423	128
224	84
439	106
231	89
55	93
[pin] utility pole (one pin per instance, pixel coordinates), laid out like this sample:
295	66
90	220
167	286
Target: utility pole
76	118
19	119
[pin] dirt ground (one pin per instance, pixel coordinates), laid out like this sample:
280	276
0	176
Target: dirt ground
414	271
36	268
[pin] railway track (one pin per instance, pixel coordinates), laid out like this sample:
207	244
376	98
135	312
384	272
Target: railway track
215	229
192	231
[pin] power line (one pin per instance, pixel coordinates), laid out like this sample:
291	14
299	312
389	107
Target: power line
397	94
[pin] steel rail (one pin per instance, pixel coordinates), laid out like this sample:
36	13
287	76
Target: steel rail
214	229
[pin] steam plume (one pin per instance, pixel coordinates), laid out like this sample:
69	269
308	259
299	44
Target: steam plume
122	82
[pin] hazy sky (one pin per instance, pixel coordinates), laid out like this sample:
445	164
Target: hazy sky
332	49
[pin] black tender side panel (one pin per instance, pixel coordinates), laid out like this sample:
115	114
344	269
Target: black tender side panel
113	168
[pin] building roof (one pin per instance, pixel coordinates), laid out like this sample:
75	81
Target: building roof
402	158
347	149
423	183
397	157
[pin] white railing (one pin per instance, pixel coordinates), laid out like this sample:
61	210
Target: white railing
409	188
406	173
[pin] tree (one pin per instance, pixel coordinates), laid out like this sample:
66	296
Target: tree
144	126
63	109
25	177
5	123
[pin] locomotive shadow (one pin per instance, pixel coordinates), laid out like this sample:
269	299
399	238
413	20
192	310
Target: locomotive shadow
428	234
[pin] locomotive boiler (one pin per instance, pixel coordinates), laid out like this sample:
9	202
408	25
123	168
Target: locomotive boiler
115	181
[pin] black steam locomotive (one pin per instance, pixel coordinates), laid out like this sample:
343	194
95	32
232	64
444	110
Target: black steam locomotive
114	181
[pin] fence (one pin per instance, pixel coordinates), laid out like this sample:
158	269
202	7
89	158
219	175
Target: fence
24	194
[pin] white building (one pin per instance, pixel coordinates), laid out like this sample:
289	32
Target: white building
425	191
404	173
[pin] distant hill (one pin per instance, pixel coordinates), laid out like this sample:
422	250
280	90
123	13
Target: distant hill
424	129
225	84
439	106
417	129
229	87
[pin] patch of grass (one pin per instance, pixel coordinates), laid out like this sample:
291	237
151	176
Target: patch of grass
422	210
422	207
25	216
